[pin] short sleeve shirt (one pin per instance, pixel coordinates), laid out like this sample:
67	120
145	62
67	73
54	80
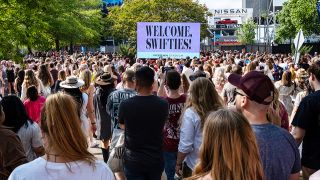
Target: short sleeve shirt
144	118
307	117
278	151
30	136
113	103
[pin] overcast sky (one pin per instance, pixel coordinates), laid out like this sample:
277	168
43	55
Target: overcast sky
222	4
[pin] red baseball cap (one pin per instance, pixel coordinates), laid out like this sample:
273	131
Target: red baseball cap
257	86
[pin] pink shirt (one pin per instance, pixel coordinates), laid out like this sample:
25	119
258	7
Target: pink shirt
34	108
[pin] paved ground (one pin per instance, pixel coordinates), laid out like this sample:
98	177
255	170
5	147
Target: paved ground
97	153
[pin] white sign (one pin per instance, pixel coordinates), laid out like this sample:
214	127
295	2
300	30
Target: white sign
298	41
241	12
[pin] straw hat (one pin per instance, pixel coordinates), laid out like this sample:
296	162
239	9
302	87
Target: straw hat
72	82
302	73
105	79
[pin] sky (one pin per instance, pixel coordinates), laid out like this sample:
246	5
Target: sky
222	4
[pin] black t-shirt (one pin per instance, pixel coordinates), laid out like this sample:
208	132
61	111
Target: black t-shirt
308	118
144	118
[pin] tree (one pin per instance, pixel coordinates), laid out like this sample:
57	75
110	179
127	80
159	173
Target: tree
286	30
42	25
245	33
122	21
296	15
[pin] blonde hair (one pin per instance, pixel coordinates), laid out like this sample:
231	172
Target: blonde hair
273	114
62	125
86	77
62	75
30	79
229	149
286	79
185	83
203	97
251	67
219	77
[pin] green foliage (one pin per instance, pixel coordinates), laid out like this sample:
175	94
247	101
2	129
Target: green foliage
305	49
122	21
245	33
127	50
296	15
42	25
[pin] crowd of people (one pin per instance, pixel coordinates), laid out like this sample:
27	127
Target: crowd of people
226	115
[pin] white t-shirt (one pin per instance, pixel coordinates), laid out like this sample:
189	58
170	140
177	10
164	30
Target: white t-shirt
41	169
31	138
85	125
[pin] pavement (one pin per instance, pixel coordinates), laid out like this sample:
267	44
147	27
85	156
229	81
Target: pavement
98	154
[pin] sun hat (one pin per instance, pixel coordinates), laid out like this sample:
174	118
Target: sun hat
256	86
72	82
105	79
302	73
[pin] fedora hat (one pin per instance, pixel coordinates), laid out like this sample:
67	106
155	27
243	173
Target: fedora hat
72	82
105	79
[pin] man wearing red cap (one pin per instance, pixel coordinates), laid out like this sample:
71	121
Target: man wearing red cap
278	151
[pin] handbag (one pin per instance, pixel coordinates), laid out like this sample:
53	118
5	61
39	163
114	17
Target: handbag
115	161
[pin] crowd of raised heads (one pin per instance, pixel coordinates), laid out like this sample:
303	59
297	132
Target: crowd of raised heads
226	115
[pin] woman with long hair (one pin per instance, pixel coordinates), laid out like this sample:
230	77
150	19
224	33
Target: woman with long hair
17	119
66	148
61	77
12	153
10	76
34	103
219	79
72	86
203	98
88	88
18	82
30	80
277	113
229	149
3	78
104	87
285	88
45	77
184	84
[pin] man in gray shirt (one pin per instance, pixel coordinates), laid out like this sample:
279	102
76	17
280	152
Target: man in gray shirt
278	151
229	91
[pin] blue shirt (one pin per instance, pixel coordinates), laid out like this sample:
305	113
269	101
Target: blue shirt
278	151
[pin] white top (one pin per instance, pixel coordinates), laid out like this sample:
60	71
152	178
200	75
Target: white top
315	176
30	137
190	137
188	72
41	169
85	125
24	90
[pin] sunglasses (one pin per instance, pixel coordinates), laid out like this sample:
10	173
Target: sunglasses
238	93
